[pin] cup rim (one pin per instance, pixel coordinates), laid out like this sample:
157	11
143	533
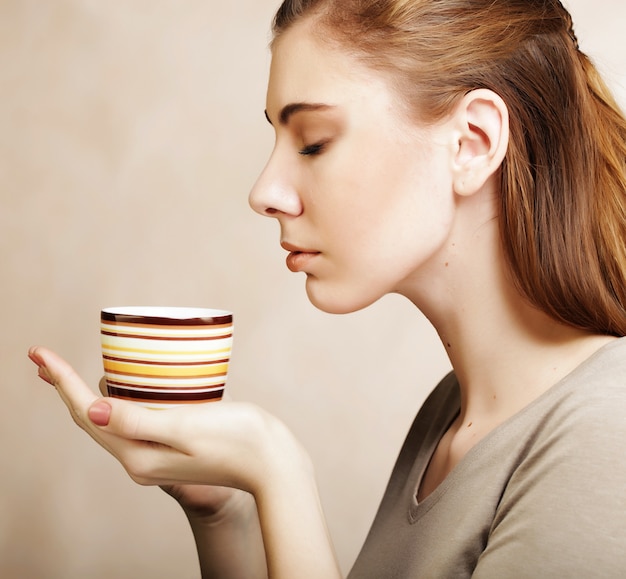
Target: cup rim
166	315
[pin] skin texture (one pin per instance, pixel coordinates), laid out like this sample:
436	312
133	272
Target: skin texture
369	202
368	195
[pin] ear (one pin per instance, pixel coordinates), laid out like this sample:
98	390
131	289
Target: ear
481	123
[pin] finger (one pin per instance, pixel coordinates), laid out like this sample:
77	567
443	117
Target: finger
144	441
119	417
134	422
76	395
133	434
73	391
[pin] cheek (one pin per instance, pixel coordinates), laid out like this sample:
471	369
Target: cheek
382	215
415	203
411	229
373	255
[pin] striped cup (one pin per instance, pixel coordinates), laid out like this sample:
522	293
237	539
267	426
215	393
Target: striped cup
162	357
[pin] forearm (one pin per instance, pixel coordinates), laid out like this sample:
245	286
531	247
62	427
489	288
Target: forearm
296	541
296	538
231	545
212	447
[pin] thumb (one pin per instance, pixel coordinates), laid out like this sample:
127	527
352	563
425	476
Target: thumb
133	422
100	413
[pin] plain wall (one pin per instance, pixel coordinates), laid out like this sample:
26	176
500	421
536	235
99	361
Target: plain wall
130	135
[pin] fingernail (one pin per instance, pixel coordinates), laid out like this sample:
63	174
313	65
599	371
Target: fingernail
44	375
36	358
100	413
41	365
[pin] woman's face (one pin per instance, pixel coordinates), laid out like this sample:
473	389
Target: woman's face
363	195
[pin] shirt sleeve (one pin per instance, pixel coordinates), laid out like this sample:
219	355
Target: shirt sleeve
563	511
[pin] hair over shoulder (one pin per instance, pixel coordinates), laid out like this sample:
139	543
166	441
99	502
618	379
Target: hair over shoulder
563	181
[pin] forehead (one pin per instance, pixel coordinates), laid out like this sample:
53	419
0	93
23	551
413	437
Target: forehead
306	68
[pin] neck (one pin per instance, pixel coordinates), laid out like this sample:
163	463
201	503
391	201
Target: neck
504	351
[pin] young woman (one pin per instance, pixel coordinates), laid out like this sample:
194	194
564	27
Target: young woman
464	154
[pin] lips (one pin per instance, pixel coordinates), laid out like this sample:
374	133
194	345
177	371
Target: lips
299	258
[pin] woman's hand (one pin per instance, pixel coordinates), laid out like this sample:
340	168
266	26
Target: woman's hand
224	520
199	502
219	444
228	444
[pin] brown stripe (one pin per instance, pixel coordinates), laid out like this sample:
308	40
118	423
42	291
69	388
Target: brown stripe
126	385
152	321
157	363
164	396
174	339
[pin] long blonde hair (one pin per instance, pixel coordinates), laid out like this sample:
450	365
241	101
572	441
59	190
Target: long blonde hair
563	181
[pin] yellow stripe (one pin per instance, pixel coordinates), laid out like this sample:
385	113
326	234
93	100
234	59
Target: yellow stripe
173	371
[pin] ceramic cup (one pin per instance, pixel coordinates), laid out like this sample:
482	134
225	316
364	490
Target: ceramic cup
162	357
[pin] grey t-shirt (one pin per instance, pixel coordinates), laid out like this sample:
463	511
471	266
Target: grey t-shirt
542	496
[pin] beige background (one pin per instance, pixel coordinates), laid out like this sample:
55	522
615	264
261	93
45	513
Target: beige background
130	134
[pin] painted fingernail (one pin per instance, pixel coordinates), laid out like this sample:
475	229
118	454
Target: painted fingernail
100	413
41	365
36	358
43	374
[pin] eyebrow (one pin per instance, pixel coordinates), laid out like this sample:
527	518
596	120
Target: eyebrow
291	109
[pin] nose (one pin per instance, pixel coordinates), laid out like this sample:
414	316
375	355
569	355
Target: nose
274	194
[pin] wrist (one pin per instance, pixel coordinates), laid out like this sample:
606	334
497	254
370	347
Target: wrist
284	459
229	540
240	506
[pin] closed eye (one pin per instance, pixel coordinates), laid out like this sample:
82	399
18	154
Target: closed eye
311	150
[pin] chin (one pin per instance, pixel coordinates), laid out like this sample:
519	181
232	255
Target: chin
337	301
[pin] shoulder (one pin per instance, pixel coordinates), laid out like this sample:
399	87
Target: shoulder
577	430
592	398
567	493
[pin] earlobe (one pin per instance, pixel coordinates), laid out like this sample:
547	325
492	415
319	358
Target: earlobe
482	134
